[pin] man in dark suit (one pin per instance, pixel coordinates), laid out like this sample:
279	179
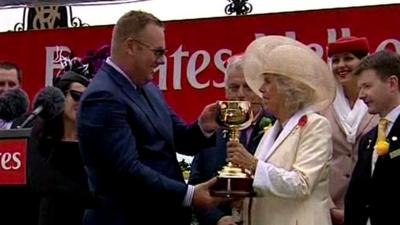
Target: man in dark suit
372	196
129	136
206	163
10	79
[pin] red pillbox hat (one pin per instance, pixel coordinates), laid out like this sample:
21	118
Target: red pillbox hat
348	44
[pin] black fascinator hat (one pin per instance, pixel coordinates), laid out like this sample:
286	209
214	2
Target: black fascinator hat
64	81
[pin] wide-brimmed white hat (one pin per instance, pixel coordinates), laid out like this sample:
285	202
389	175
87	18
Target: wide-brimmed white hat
284	56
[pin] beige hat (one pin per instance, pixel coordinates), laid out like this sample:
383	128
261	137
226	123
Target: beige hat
284	56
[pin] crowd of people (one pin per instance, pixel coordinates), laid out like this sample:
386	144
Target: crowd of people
329	154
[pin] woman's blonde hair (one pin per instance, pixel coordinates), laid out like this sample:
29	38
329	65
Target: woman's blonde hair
295	95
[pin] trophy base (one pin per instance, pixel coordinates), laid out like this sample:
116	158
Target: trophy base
233	187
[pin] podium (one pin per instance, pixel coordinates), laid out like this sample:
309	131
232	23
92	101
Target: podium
17	199
13	156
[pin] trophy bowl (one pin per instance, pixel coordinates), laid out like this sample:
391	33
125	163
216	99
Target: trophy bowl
234	115
233	181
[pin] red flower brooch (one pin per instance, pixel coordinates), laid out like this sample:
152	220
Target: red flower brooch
302	121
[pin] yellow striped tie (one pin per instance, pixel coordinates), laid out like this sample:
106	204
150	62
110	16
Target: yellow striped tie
382	146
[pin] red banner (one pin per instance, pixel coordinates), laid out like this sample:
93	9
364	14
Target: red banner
13	162
192	76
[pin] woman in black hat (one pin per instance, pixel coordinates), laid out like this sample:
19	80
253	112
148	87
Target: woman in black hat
55	168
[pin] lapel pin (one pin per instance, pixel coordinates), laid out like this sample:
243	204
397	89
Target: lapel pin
394	138
225	134
369	143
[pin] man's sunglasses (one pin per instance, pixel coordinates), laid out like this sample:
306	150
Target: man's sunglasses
157	52
75	95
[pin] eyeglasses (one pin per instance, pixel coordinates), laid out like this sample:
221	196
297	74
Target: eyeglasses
157	52
75	95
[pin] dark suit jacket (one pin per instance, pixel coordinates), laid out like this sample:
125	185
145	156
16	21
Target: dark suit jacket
207	163
376	196
129	149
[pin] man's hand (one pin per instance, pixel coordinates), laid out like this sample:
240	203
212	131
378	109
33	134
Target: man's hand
208	118
226	220
202	197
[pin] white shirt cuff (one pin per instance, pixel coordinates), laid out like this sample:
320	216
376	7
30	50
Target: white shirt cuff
187	201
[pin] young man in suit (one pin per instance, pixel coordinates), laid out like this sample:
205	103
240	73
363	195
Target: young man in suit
372	197
129	136
207	163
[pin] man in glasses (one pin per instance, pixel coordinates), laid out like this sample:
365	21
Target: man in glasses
129	136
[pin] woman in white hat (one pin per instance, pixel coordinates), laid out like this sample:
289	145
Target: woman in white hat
291	163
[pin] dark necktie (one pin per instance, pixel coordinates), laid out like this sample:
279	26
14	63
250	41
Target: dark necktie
143	96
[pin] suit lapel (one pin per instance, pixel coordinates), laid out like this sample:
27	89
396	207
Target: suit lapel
368	151
394	136
265	148
139	100
269	145
365	122
160	118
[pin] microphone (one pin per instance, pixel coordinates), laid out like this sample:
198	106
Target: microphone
49	103
13	104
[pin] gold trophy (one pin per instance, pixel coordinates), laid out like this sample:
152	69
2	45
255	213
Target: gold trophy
233	181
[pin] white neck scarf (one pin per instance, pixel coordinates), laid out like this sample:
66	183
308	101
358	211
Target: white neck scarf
348	119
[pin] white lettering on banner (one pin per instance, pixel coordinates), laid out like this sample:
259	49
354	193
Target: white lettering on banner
199	61
332	37
162	71
53	55
291	34
17	160
178	55
219	63
317	48
10	161
192	71
387	42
